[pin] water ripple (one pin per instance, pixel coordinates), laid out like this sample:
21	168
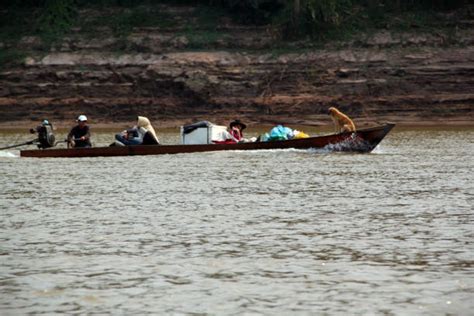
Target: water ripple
261	232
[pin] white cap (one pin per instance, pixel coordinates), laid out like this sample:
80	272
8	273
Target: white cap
82	118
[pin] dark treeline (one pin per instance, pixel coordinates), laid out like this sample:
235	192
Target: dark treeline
291	17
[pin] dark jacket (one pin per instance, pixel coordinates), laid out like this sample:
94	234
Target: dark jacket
77	132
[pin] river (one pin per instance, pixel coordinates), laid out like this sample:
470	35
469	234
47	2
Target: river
242	232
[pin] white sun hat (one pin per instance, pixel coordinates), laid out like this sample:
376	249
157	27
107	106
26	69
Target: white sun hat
82	118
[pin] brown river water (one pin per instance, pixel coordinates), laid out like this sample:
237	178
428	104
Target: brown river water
277	232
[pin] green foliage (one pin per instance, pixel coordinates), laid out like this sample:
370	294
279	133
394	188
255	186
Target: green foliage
338	19
202	28
319	19
330	12
420	20
122	21
253	11
289	19
208	17
203	39
56	19
10	56
16	22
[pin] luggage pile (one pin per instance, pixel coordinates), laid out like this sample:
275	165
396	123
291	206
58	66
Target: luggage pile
281	132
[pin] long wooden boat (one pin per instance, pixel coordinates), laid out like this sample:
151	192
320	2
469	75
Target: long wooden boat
364	140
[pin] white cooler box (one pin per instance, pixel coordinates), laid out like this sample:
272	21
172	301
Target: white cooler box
203	132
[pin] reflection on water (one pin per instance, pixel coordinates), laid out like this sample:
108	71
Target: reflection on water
272	232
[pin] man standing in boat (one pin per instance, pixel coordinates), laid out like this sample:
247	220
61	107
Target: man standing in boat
79	136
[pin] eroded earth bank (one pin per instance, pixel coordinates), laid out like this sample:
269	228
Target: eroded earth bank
406	78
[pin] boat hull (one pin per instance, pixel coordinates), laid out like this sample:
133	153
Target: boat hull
364	140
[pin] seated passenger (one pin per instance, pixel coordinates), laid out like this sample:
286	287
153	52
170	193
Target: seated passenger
141	134
236	130
79	136
132	136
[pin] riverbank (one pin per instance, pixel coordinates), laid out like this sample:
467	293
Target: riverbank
413	77
432	84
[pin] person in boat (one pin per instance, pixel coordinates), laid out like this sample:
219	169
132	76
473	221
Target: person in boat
236	130
80	136
142	133
342	123
46	138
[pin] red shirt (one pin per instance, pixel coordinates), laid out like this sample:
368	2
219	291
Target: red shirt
237	134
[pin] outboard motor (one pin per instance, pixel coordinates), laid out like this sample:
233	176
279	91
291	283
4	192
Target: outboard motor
46	136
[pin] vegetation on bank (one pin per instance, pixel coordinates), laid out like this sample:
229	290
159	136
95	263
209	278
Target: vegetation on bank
314	21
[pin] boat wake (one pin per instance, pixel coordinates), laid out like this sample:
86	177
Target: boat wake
353	143
8	154
379	150
264	151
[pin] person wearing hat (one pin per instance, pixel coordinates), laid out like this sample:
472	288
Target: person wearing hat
80	136
236	129
141	134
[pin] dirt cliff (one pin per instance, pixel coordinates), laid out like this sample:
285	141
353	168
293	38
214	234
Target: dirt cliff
405	78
